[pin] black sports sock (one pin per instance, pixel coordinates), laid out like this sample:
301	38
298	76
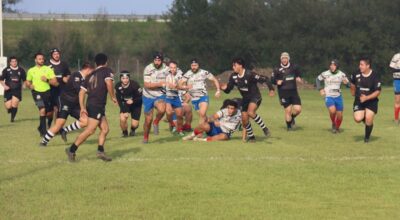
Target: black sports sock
9	110
368	131
133	129
125	132
289	123
42	125
100	148
73	148
13	113
49	121
293	116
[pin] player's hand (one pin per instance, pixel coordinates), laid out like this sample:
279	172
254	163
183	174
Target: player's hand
32	87
363	98
129	102
223	86
218	94
322	92
114	100
43	78
279	82
217	123
271	93
84	112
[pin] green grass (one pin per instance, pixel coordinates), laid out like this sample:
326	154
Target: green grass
307	174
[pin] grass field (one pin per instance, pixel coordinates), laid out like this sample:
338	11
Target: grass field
306	174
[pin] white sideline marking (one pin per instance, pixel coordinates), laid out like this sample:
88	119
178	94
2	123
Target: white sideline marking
251	159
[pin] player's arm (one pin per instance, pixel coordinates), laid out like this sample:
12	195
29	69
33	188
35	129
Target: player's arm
110	88
353	85
227	88
214	79
117	94
82	96
216	118
2	78
395	63
318	82
28	81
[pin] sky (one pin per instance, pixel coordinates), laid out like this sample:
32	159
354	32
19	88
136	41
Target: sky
141	7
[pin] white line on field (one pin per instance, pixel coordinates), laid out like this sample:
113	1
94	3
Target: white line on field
199	159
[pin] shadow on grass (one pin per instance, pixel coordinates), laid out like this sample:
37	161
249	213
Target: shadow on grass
26	119
121	153
360	138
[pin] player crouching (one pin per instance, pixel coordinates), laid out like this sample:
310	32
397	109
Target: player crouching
221	126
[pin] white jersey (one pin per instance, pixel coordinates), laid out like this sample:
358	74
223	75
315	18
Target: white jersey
332	82
173	92
395	64
198	81
229	124
153	75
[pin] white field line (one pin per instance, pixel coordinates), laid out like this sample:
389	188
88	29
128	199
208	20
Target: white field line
200	159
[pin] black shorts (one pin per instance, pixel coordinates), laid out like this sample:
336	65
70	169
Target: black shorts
371	105
289	97
96	112
135	110
54	96
12	92
66	108
246	103
42	100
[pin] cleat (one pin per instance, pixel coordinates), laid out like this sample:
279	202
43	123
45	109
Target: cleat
181	134
266	131
293	122
102	156
156	129
63	135
251	139
71	156
366	140
132	133
42	144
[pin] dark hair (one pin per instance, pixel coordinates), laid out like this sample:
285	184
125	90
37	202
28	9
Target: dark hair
367	60
229	102
100	59
174	62
86	65
12	58
54	50
38	54
158	55
239	61
194	60
124	73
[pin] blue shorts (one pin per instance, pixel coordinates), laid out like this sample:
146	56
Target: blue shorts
148	103
396	86
175	102
196	103
214	130
334	101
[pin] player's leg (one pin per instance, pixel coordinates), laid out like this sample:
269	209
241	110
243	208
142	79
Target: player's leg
123	123
332	115
218	137
288	116
369	123
104	129
251	111
87	132
53	130
203	106
136	112
170	114
396	108
7	104
161	108
359	116
188	115
179	120
296	110
247	125
339	112
198	131
14	107
148	119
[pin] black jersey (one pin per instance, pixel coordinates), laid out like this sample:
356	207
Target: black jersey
133	91
365	85
247	84
60	70
13	78
72	87
96	87
288	75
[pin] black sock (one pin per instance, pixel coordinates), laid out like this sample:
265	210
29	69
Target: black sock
13	113
49	121
125	132
289	123
293	116
368	131
42	125
100	148
9	110
73	148
133	129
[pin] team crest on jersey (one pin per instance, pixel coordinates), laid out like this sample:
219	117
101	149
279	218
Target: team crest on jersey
283	100
65	108
245	81
356	107
77	79
98	116
379	85
38	97
140	90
